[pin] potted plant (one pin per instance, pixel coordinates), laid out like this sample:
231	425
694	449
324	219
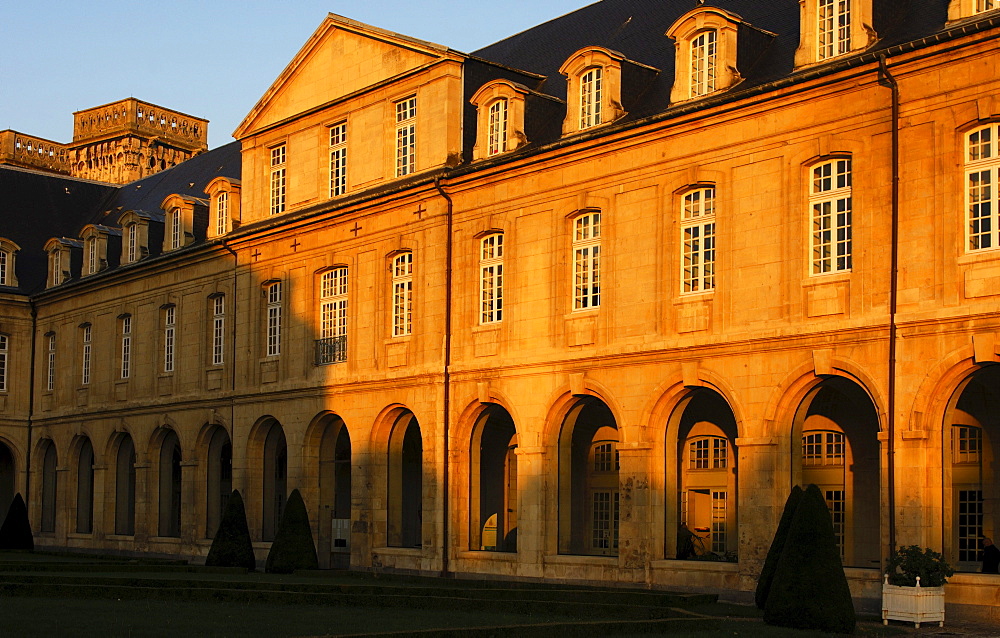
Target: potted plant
913	590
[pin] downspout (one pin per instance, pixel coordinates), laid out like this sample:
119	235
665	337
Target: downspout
31	404
232	356
447	375
887	80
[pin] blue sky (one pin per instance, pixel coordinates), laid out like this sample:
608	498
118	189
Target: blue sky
212	59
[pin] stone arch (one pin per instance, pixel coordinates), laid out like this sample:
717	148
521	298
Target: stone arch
122	448
404	478
47	490
492	478
271	452
328	452
588	483
218	450
8	478
165	448
82	455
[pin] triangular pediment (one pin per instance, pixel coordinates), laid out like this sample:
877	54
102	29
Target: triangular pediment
341	58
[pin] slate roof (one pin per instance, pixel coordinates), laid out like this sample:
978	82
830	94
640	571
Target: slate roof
36	206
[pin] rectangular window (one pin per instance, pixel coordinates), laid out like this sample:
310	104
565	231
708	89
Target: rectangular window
274	319
278	179
406	141
402	294
50	383
719	522
338	159
605	520
3	363
57	272
703	61
498	127
85	356
830	201
986	5
970	524
590	98
587	261
222	214
968	444
982	174
3	268
823	448
169	336
836	501
218	329
332	345
834	28
699	454
491	279
176	234
698	241
92	256
126	370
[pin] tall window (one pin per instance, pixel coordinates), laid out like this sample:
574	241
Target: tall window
830	201
491	279
338	159
3	363
498	127
986	5
4	265
169	337
982	175
50	383
274	319
402	294
703	61
218	329
126	347
278	179
92	260
222	213
131	243
698	240
57	267
591	87
587	261
834	28
406	142
333	317
176	231
85	356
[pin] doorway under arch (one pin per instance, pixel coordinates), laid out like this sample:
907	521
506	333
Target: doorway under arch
493	482
85	487
170	484
7	476
335	491
275	480
50	461
218	480
125	486
405	493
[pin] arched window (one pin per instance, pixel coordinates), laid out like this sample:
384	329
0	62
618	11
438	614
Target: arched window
331	347
3	362
703	63
219	479
49	464
125	487
275	492
833	28
491	278
830	204
8	252
497	127
698	240
587	261
85	488
222	213
170	486
590	97
982	177
131	243
493	491
405	479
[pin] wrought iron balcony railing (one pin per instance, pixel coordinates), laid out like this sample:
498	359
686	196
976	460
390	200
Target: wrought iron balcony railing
331	350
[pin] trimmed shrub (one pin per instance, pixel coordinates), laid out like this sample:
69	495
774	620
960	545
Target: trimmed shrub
774	553
293	546
15	533
809	589
232	546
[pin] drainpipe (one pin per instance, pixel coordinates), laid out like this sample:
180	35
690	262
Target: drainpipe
447	373
232	356
886	79
31	404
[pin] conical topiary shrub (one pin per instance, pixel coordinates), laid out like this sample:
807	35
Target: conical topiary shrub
293	546
232	546
774	553
15	533
809	589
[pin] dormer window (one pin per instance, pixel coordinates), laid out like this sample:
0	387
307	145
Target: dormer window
135	234
706	46
176	233
95	247
959	9
500	118
832	28
8	251
179	223
131	243
593	89
59	251
224	206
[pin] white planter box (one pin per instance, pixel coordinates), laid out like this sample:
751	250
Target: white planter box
912	604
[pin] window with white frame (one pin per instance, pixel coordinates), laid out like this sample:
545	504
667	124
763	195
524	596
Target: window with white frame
126	358
86	337
402	294
406	141
587	261
3	362
590	97
986	5
830	205
333	316
833	28
222	213
274	295
169	337
982	177
57	275
218	329
338	159
491	279
176	229
93	256
823	447
497	127
6	266
278	179
131	243
703	63
698	240
967	443
50	382
708	453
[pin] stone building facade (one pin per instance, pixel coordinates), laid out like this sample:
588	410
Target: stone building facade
582	305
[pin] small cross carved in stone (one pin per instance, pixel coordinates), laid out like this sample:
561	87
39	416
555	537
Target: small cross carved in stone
255	254
295	245
356	229
420	211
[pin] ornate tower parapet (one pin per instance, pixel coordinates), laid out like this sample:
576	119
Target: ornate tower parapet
28	151
127	140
